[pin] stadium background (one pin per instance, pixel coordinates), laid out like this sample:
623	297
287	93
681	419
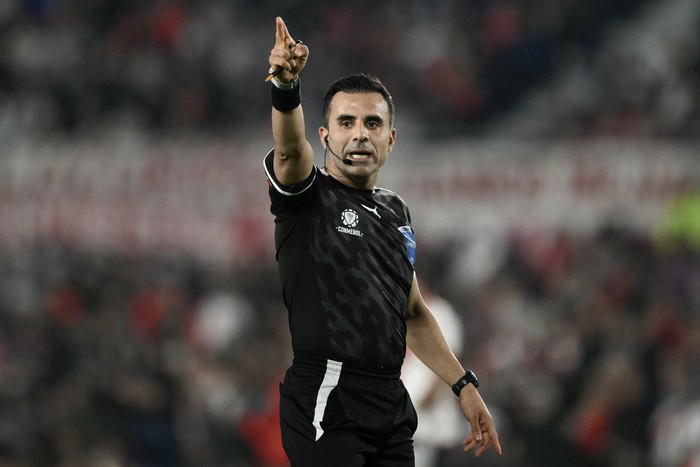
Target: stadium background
549	152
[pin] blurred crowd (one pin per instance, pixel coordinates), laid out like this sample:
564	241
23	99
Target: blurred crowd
642	80
73	66
588	346
109	360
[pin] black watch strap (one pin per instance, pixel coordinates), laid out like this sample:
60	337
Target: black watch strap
469	377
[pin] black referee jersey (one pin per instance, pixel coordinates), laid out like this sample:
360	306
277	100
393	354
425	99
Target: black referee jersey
346	264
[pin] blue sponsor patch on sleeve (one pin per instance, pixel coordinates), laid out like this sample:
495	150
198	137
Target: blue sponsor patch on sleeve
410	243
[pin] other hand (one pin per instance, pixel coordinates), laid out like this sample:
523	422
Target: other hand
483	432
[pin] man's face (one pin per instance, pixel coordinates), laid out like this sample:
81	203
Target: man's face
360	133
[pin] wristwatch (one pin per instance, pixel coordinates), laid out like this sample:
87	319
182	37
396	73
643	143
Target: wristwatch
469	377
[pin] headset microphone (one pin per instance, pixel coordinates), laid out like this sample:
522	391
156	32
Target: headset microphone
344	161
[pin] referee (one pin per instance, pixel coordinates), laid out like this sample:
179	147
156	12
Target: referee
346	253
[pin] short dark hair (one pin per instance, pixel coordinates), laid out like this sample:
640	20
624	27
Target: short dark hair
358	83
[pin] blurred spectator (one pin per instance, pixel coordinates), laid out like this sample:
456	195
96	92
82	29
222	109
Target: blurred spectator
440	424
680	225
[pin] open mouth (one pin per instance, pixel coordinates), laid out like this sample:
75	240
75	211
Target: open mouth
359	156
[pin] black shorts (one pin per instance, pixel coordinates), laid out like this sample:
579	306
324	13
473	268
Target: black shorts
332	416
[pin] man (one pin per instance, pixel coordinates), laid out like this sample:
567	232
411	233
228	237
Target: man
345	251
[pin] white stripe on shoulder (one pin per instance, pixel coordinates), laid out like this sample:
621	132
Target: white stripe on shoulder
278	186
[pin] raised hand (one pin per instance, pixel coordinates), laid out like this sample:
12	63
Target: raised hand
287	57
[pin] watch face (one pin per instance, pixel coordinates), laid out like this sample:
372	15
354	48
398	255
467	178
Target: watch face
471	377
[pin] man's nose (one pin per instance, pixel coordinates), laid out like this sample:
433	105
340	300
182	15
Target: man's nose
360	134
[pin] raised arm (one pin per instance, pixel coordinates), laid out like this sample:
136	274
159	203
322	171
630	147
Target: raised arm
426	341
294	158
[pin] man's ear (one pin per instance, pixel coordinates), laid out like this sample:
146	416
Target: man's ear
323	135
392	139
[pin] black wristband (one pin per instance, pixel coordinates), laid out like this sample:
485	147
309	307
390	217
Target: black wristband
469	377
286	100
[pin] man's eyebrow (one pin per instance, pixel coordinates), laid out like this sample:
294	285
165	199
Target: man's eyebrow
375	118
370	118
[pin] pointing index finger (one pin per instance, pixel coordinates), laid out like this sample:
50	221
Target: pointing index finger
282	34
496	443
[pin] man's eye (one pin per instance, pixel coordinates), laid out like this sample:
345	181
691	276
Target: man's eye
345	123
372	124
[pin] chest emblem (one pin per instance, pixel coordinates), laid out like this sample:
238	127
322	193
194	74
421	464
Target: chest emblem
349	218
